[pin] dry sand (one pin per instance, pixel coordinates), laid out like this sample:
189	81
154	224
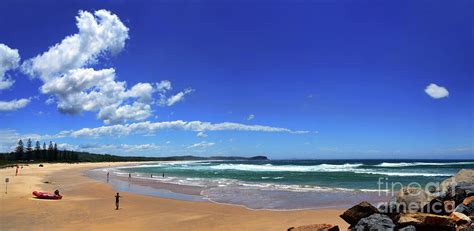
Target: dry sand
90	205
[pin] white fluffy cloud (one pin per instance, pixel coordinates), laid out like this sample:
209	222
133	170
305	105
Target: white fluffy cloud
436	92
99	33
148	127
76	88
9	59
13	105
163	86
90	90
202	144
136	111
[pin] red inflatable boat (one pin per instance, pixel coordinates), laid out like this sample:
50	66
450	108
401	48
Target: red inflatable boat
47	195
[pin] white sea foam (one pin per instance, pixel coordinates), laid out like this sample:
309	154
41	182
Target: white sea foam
287	168
401	173
404	164
350	168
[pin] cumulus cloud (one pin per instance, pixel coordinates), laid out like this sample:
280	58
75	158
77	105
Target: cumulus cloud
75	88
163	86
99	33
201	135
148	127
436	92
136	111
202	144
90	90
251	117
9	59
13	105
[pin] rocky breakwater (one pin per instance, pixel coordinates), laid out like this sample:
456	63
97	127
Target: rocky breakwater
448	206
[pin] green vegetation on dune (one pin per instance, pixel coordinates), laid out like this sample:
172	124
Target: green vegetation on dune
50	153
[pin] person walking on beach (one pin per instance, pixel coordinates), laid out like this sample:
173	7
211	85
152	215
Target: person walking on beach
129	176
16	172
108	177
151	175
117	201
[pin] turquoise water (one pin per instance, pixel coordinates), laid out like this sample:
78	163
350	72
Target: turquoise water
350	174
293	184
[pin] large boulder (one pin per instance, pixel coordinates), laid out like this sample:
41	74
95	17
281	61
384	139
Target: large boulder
413	200
463	179
375	222
426	221
357	212
315	227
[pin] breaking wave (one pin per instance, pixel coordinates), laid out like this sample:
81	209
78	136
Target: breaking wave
287	168
405	164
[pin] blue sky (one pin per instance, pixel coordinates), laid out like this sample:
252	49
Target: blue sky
311	79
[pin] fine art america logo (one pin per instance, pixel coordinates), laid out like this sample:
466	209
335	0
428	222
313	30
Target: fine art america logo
433	197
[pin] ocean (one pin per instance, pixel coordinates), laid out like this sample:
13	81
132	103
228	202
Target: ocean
285	184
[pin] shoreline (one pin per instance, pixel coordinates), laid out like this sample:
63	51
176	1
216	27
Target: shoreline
88	204
250	195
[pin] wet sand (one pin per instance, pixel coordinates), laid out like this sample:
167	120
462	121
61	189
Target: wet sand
88	204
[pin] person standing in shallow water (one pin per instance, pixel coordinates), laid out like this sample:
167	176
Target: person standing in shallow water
117	201
108	177
129	176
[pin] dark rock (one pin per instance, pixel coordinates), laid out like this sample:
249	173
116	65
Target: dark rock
459	194
375	222
357	212
466	227
467	206
390	209
440	206
426	221
315	227
408	228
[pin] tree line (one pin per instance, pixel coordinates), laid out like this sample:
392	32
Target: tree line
41	152
50	153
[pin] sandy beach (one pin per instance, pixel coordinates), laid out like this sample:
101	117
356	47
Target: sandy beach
89	205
